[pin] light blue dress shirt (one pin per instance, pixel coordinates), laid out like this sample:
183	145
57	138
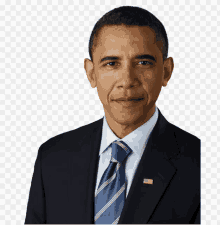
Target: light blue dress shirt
136	140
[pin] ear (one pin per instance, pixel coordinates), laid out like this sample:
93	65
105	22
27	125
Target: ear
168	69
89	68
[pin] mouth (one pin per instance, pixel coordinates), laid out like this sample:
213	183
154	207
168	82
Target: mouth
128	100
129	103
137	99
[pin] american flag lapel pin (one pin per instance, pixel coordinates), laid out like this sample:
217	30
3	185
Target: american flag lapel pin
148	181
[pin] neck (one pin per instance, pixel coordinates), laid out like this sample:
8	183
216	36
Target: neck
122	130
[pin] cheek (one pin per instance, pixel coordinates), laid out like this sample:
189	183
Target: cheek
104	86
149	79
152	82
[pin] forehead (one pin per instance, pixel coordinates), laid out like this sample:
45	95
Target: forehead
123	39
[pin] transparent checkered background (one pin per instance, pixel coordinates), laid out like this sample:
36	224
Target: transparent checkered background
44	90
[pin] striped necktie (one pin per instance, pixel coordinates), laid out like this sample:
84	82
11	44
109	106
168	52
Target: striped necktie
111	192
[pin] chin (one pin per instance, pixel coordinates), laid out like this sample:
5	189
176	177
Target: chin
126	119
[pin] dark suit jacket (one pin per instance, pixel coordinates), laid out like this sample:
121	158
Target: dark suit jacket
64	178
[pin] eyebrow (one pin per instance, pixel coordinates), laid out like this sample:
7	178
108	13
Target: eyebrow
146	57
109	58
137	57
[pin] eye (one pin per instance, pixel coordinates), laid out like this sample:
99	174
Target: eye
145	63
110	64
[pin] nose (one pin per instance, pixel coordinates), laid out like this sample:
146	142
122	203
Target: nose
128	78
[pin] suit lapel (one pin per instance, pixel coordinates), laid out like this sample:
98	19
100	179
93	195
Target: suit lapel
93	150
154	164
83	164
143	198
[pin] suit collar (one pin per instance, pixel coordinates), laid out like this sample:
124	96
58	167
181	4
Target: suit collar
155	164
136	140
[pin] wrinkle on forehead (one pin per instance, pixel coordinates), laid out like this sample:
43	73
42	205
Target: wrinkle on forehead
116	38
134	33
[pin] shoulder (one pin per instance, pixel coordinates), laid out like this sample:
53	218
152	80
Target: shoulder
184	138
77	135
189	147
176	134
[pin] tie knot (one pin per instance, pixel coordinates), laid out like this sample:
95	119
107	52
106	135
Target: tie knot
120	151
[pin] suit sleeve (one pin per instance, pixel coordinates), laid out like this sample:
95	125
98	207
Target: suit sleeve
197	216
36	209
198	212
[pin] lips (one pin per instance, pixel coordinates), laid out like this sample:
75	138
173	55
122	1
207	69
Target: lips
129	102
129	99
138	99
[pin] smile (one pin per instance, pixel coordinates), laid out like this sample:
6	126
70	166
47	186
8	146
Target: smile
130	103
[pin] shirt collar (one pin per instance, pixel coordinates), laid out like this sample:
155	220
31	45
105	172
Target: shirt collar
135	140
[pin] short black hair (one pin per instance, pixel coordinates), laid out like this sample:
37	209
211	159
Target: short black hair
130	15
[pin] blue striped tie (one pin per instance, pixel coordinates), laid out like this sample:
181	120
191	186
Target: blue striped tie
111	193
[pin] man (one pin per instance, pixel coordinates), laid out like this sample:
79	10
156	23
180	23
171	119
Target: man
132	166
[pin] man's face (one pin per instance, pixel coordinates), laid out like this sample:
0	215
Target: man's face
127	64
